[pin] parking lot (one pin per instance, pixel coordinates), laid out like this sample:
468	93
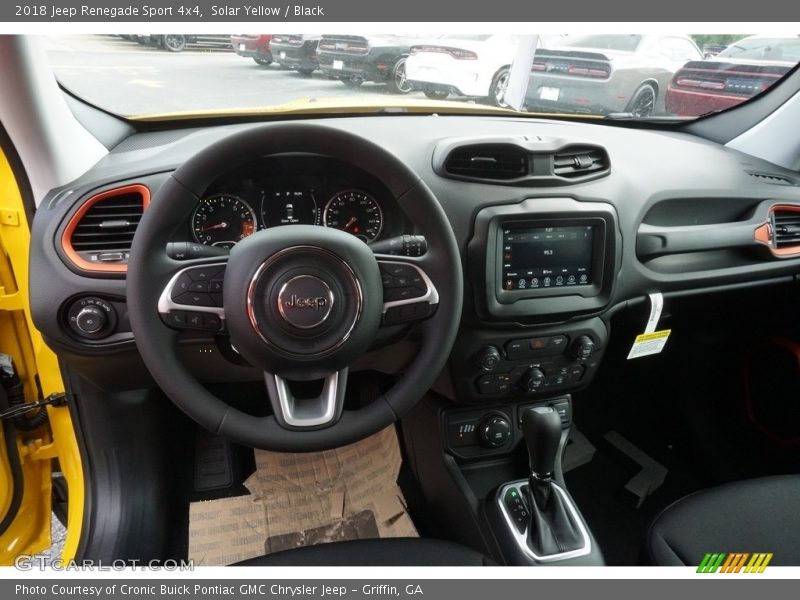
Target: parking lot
132	79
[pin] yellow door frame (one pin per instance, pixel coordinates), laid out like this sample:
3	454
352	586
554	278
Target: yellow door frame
30	531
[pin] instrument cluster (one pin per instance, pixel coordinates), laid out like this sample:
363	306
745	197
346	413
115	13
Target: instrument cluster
289	191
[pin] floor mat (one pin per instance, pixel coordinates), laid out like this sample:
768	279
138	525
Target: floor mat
304	499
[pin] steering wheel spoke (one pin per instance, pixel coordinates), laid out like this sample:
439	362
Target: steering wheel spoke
192	299
315	412
409	294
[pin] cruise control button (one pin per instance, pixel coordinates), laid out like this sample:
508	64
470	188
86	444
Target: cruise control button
396	270
193	299
403	293
181	286
204	273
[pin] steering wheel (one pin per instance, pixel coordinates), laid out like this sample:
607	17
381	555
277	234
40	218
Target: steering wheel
300	302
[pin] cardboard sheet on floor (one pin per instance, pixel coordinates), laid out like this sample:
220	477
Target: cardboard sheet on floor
303	499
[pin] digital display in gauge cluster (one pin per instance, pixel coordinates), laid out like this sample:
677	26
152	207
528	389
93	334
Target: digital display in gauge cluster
289	207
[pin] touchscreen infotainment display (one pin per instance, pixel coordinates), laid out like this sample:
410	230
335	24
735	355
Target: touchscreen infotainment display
547	257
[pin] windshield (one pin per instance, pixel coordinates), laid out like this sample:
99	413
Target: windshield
632	76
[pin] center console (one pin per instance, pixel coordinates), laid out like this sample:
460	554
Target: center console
540	274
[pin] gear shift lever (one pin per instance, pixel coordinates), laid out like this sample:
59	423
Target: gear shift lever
553	528
541	427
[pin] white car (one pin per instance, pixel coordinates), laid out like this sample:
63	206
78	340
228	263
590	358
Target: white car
462	65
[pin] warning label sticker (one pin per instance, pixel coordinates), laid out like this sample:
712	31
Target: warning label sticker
649	343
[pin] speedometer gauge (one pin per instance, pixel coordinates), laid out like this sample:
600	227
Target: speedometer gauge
223	220
355	212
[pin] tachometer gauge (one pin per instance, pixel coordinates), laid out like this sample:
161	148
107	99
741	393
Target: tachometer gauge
355	212
289	207
223	220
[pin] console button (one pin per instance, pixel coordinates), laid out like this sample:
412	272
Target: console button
562	408
495	431
516	349
576	372
538	344
557	344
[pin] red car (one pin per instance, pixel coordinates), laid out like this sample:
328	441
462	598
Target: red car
253	46
742	70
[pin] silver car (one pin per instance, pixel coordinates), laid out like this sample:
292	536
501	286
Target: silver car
607	73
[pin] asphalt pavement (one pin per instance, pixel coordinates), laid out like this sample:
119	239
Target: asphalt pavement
128	78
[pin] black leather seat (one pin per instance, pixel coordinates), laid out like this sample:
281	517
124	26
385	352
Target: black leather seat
757	515
404	552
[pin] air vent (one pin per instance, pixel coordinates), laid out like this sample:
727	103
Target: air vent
786	225
772	179
98	237
501	162
578	161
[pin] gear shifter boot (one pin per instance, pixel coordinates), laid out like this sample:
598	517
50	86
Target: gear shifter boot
553	529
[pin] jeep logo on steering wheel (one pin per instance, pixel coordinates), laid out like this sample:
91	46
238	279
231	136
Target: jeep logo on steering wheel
305	292
297	302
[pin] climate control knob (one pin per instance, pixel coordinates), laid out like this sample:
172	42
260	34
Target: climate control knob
582	348
488	358
532	380
90	320
494	431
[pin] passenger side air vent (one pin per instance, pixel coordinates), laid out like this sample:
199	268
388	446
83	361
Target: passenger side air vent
578	161
772	179
786	225
98	236
501	162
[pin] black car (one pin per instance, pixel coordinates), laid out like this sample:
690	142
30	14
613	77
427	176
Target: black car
355	59
295	51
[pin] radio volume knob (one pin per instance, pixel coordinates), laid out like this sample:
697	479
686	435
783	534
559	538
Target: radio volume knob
90	319
488	358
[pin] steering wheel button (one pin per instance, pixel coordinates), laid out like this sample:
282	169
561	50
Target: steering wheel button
199	286
204	273
181	286
387	281
176	318
217	299
195	299
212	322
215	286
194	320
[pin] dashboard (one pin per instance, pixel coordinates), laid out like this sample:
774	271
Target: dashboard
559	224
